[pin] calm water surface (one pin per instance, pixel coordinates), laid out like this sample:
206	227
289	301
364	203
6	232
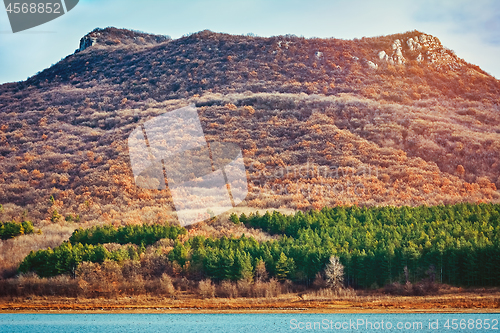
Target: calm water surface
145	323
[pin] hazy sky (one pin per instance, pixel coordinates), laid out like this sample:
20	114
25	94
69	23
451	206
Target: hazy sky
470	28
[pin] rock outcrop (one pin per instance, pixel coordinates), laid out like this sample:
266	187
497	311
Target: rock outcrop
86	42
397	56
118	37
422	48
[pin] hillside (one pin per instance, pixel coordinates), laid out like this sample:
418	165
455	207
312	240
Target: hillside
391	120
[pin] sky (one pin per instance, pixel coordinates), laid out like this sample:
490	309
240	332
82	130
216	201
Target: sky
470	28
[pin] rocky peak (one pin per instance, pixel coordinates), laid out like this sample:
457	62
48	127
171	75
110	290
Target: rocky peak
86	42
422	48
118	37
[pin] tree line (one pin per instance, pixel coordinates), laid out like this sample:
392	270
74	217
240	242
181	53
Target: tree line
86	245
134	234
457	244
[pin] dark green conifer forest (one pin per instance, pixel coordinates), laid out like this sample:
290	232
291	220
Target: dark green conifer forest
457	245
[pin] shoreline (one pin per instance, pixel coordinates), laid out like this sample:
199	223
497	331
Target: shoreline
290	303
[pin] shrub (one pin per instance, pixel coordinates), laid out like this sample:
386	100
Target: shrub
227	289
30	285
13	229
167	286
244	287
272	288
206	288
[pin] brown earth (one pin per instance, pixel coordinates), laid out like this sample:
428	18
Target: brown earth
446	303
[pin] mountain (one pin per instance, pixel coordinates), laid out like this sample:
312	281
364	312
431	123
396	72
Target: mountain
389	120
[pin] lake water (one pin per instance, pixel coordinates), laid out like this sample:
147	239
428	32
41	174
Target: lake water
144	323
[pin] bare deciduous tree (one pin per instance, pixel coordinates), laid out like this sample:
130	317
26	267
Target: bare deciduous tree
260	271
334	273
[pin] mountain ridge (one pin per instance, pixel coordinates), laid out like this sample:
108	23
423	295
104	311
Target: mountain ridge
382	46
430	128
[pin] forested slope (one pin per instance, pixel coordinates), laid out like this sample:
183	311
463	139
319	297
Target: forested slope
457	245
